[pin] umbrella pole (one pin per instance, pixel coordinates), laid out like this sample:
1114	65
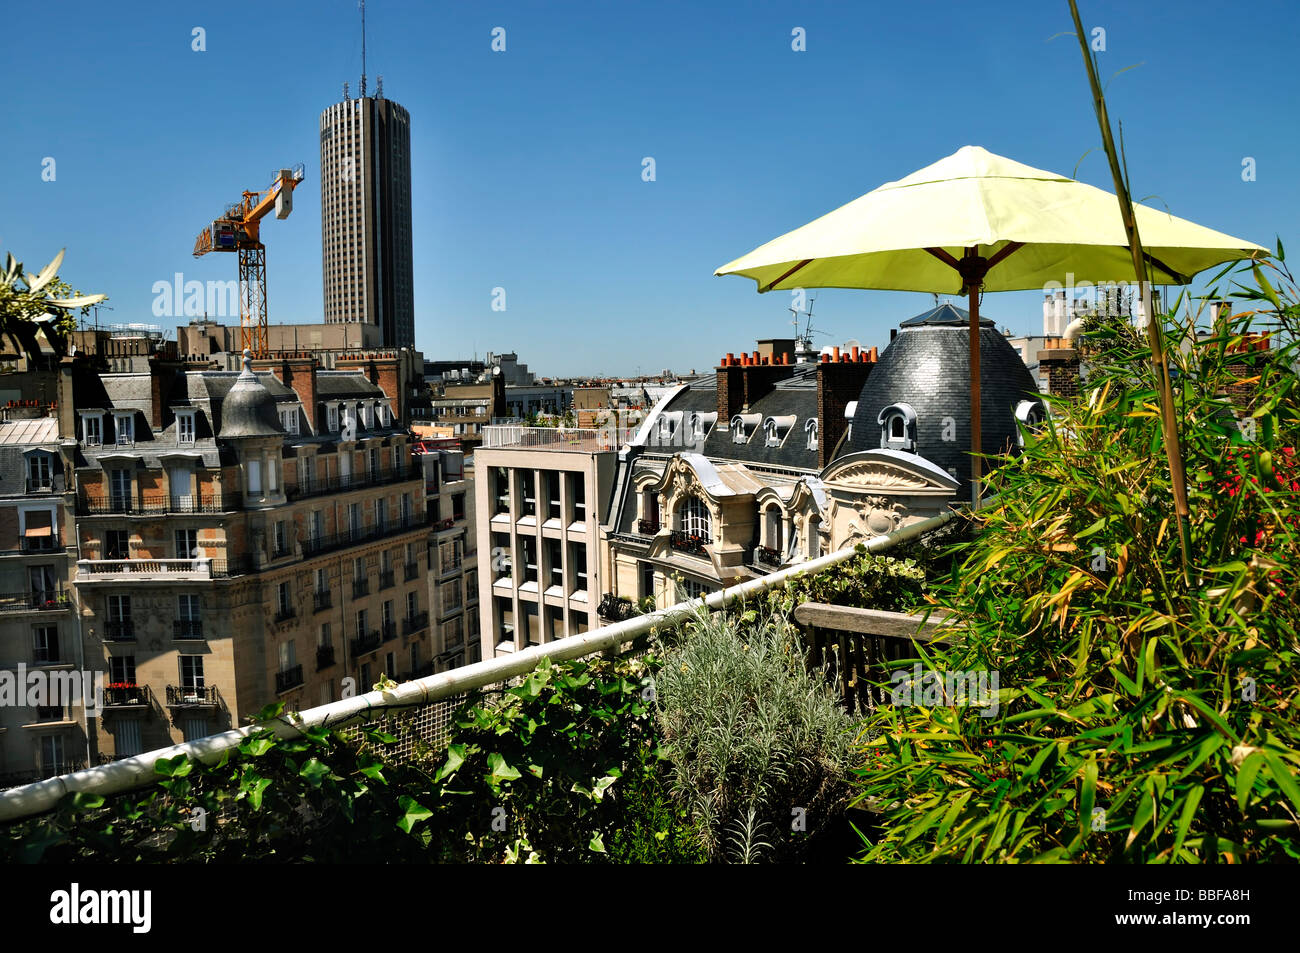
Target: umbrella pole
975	428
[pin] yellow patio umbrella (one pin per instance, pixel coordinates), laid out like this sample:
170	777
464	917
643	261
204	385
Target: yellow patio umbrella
977	221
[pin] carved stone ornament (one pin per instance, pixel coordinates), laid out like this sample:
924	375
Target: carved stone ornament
872	476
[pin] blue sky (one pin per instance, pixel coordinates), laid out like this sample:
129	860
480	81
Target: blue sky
527	164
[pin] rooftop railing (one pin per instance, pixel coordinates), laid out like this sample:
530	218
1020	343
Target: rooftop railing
435	695
554	438
149	505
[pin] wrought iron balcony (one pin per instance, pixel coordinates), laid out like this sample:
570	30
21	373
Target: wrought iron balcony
414	623
386	579
410	571
127	695
42	600
187	629
288	679
766	556
647	527
689	542
614	608
285	613
362	534
321	600
324	656
190	696
321	486
41	544
367	642
117	504
388	631
121	630
360	587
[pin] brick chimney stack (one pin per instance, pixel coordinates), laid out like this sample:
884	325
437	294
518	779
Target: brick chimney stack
839	382
1060	363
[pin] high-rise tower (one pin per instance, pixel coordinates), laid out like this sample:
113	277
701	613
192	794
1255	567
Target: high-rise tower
365	191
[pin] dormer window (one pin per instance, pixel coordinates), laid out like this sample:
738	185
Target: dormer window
743	427
775	430
184	426
810	428
700	425
289	420
332	414
898	427
366	410
92	429
124	425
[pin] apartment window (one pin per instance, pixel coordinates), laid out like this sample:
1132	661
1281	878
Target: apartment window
92	429
289	420
359	569
187	607
532	624
458	506
528	480
415	657
121	669
316	525
530	558
390	664
505	621
555	561
185	426
191	671
272	475
127	742
288	655
693	589
45	644
412	604
374	462
501	479
471	586
362	619
579	498
332	414
119	490
116	544
366	683
52	762
284	600
124	423
326	640
40	471
578	556
354	518
450	553
695	519
254	470
449	595
553	511
119	608
187	543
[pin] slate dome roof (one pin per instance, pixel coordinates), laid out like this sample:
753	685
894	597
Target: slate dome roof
927	366
248	409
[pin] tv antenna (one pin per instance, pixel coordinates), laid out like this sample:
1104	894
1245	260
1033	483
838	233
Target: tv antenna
362	90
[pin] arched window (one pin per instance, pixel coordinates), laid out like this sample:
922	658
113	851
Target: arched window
898	427
694	519
772	527
810	428
814	548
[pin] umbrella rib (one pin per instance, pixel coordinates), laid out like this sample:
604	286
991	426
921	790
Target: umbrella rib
806	261
1153	260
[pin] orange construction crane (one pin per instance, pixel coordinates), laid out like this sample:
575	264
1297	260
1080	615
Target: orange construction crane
237	230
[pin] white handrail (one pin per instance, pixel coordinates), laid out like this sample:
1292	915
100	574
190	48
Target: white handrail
137	772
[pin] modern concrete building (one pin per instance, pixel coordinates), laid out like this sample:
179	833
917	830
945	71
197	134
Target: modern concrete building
541	495
365	158
453	563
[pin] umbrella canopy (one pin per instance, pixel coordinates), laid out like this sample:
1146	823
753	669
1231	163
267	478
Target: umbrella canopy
976	222
975	199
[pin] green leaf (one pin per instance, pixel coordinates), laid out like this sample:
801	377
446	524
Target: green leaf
314	771
1189	812
596	843
455	758
413	813
499	770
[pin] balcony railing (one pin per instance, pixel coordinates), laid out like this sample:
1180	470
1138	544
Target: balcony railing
285	613
614	608
302	489
554	438
367	642
647	527
127	696
386	579
322	600
190	696
689	542
766	556
410	571
16	778
364	534
41	544
42	600
324	656
130	570
149	505
187	629
287	679
414	623
360	587
51	484
120	630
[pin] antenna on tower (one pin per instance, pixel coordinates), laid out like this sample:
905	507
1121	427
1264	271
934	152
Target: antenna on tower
346	97
379	88
363	49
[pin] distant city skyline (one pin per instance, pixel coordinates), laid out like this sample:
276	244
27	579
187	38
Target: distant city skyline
530	186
